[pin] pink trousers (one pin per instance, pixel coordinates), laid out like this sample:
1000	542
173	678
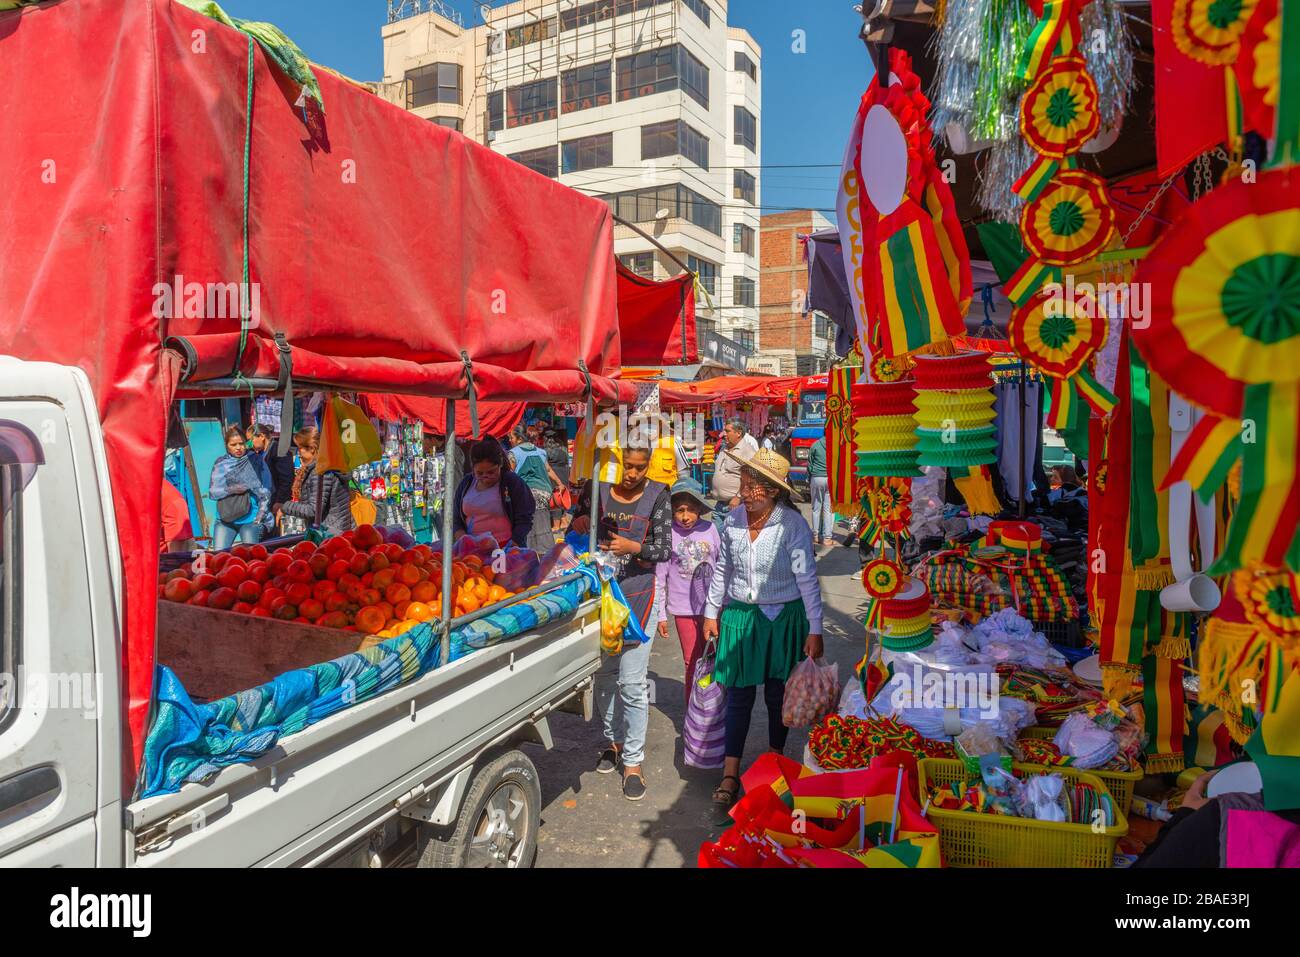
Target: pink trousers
690	632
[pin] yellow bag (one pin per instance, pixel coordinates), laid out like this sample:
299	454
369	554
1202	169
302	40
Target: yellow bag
364	511
587	457
663	462
613	618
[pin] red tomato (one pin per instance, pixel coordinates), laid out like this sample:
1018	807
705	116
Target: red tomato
303	549
269	595
394	552
319	564
249	591
280	581
279	562
217	560
359	563
337	569
258	552
348	579
200	598
411	557
337	601
322	588
181	572
345	554
333	619
178	589
301	621
243	607
366	536
223	598
426	553
205	582
259	571
367	578
354	591
285	612
378	560
311	608
230	577
260	612
300	571
297	592
240	552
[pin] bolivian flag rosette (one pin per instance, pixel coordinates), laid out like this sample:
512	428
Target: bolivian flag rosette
882	578
1070	221
1209	31
1059	111
1225	293
1057	333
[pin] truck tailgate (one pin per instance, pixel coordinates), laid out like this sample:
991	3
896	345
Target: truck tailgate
349	770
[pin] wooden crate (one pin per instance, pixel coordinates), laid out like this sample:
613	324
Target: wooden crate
217	653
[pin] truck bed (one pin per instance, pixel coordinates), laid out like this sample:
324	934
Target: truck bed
337	779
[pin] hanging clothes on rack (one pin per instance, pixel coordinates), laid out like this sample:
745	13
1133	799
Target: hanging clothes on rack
1019	432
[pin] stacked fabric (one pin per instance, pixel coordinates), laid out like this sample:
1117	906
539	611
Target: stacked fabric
843	742
954	411
885	429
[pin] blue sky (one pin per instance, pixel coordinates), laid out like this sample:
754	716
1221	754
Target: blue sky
809	98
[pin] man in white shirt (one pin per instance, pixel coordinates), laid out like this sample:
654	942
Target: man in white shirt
726	470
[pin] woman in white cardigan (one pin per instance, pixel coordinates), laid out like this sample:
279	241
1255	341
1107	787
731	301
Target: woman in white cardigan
764	607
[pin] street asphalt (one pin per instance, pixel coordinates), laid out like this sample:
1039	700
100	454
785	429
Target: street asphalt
586	821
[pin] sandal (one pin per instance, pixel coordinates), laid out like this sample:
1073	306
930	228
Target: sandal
724	797
634	787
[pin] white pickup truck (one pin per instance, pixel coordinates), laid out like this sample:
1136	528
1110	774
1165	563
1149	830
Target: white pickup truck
430	772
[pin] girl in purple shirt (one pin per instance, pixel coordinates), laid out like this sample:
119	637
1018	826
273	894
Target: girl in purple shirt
682	585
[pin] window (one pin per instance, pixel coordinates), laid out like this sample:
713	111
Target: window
746	338
820	327
643	264
451	122
641	206
746	129
587	153
699	8
589	13
707	271
585	87
496	110
674	137
695	78
743	239
10	623
742	291
745	65
531	103
435	83
658	71
744	184
539	161
530	33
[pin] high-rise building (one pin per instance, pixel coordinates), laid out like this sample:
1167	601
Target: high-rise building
653	106
793	342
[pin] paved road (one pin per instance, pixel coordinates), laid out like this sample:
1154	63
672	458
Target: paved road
586	821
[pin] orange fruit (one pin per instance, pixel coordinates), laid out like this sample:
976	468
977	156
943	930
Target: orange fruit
468	602
418	611
370	620
424	591
436	608
397	593
480	589
393	623
496	593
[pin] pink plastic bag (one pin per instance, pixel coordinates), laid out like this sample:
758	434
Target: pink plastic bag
810	693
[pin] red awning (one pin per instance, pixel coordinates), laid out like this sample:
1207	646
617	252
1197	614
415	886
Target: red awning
729	388
495	418
656	320
380	246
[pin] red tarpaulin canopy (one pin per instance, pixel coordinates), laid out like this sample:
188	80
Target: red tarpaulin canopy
381	245
656	320
729	388
494	418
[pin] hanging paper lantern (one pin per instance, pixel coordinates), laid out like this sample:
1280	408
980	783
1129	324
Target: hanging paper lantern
1210	31
1070	221
884	429
1059	112
903	621
954	411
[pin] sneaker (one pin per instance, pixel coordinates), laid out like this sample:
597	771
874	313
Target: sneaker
608	761
634	786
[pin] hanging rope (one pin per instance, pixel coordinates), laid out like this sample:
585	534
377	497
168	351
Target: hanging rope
244	305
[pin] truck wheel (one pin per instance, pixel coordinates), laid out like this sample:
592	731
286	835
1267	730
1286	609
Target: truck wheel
498	820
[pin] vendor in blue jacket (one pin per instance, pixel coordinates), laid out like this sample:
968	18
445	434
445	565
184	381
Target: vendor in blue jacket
492	499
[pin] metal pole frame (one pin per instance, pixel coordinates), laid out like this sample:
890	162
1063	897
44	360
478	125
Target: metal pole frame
450	481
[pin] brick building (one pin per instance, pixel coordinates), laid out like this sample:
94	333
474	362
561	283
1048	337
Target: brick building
801	344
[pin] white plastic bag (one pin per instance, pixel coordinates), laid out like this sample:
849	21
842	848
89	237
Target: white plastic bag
810	693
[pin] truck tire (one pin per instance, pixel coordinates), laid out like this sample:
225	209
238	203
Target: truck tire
498	820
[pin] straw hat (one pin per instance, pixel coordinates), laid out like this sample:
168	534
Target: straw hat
769	465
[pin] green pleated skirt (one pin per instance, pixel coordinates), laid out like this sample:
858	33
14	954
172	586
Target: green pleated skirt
752	649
